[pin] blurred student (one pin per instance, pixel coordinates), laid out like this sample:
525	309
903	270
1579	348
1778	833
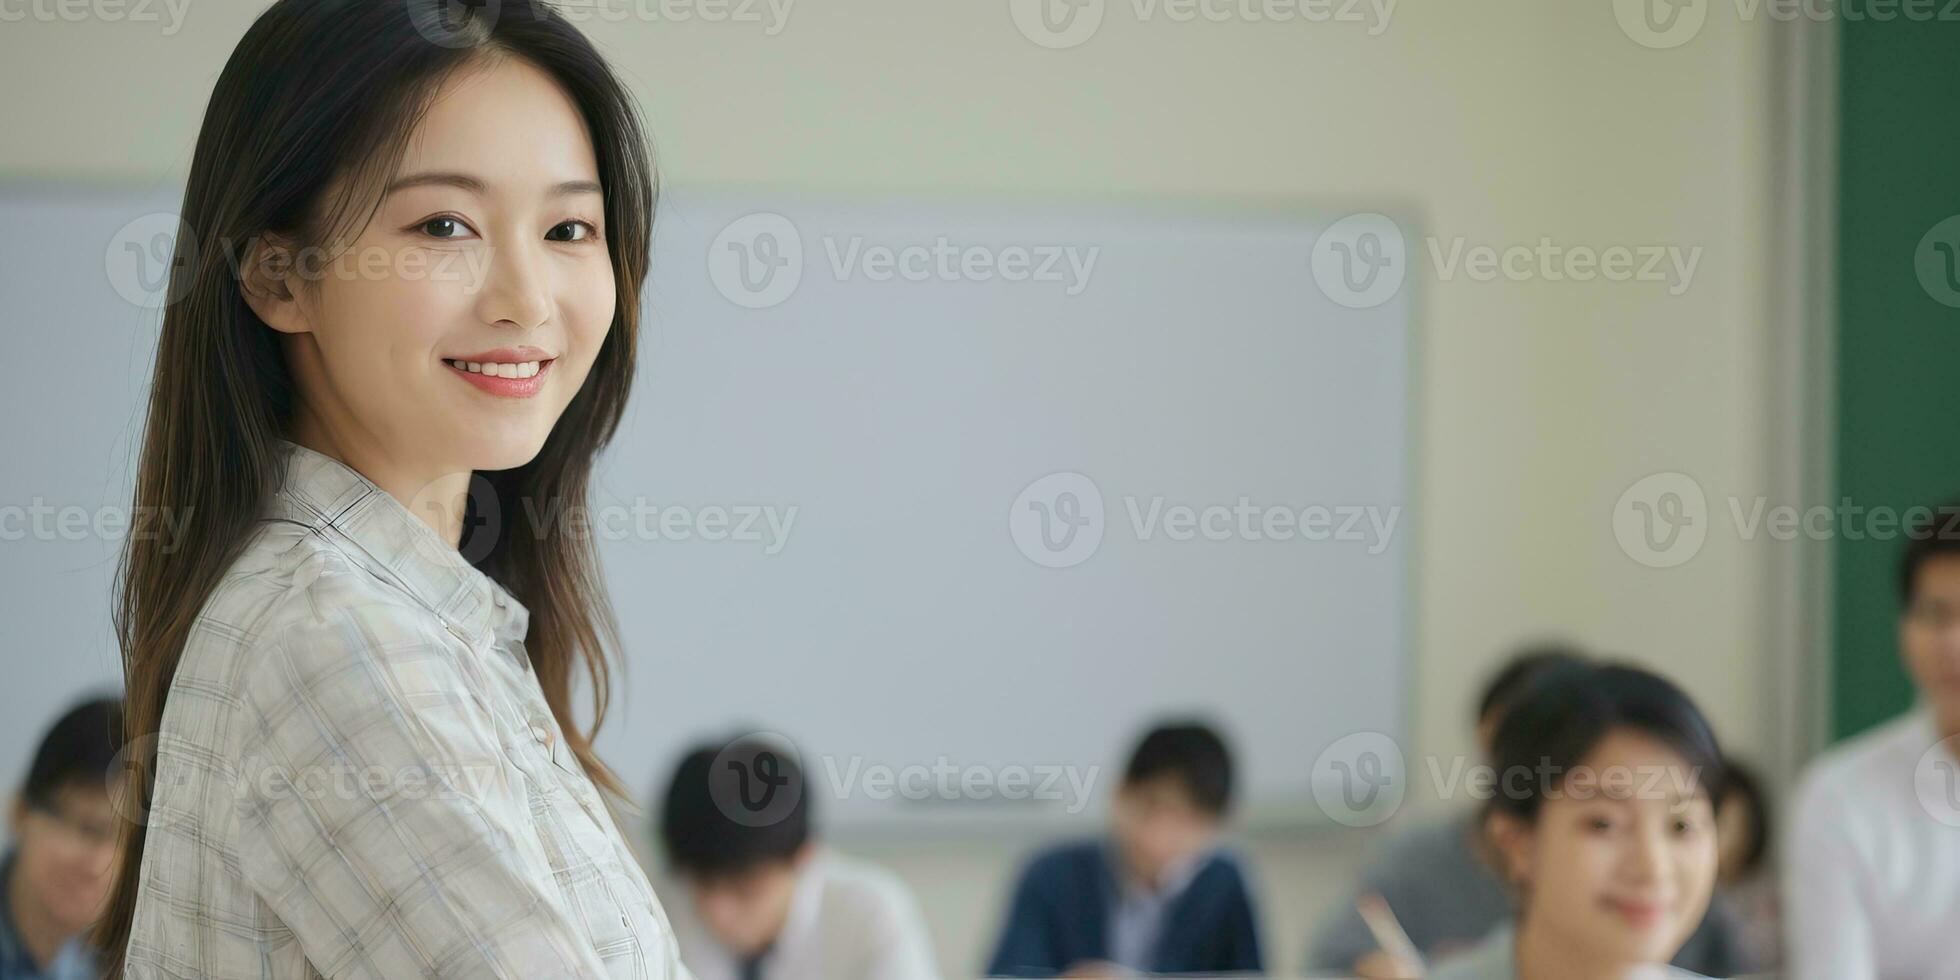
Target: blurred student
1872	871
54	878
1603	817
1158	894
1746	878
758	898
1441	881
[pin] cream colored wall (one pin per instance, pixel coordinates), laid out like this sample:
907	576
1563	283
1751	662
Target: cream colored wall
1498	121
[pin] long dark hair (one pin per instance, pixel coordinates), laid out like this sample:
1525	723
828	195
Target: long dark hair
322	94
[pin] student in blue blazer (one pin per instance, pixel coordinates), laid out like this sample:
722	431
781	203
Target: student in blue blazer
1157	894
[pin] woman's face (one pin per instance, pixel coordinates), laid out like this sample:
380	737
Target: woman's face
488	247
1620	864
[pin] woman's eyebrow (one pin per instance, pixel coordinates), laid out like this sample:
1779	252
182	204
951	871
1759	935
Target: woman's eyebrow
476	185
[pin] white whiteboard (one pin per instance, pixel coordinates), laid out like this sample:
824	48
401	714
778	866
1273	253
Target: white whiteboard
899	622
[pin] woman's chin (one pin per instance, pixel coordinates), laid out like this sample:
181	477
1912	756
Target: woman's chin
507	448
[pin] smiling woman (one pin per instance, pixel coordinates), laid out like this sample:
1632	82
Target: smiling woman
365	761
1602	814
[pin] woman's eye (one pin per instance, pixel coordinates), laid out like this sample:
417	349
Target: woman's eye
573	226
443	228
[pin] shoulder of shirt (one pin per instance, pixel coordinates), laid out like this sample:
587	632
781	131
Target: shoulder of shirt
1427	841
287	582
1224	861
1065	854
861	885
1489	959
1865	761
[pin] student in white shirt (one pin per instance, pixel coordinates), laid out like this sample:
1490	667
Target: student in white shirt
754	896
1603	814
1872	870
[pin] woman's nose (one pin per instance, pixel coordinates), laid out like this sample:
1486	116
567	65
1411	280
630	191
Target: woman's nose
517	287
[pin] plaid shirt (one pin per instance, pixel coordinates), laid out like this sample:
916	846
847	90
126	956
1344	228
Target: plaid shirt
358	776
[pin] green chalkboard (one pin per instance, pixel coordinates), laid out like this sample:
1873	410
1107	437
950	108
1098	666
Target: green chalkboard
1898	343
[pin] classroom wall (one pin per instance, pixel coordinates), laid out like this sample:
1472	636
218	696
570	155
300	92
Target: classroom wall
1502	123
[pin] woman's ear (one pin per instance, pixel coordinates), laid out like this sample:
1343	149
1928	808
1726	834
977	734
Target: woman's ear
1514	843
269	283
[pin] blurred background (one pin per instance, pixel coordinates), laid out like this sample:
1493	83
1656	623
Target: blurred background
1804	361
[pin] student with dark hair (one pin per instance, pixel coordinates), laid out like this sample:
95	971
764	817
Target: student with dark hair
1602	813
1872	868
1747	879
754	896
1441	881
54	878
1158	895
1512	679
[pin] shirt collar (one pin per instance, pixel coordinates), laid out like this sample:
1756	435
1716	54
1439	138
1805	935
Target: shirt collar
323	493
1172	882
806	903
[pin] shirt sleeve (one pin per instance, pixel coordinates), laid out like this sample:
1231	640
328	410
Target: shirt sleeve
1242	952
901	947
1027	944
378	815
1342	937
1828	929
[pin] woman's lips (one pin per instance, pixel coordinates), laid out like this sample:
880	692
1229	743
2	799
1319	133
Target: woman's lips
490	377
1640	915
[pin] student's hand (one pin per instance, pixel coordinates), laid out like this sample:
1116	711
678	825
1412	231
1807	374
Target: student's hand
1380	965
